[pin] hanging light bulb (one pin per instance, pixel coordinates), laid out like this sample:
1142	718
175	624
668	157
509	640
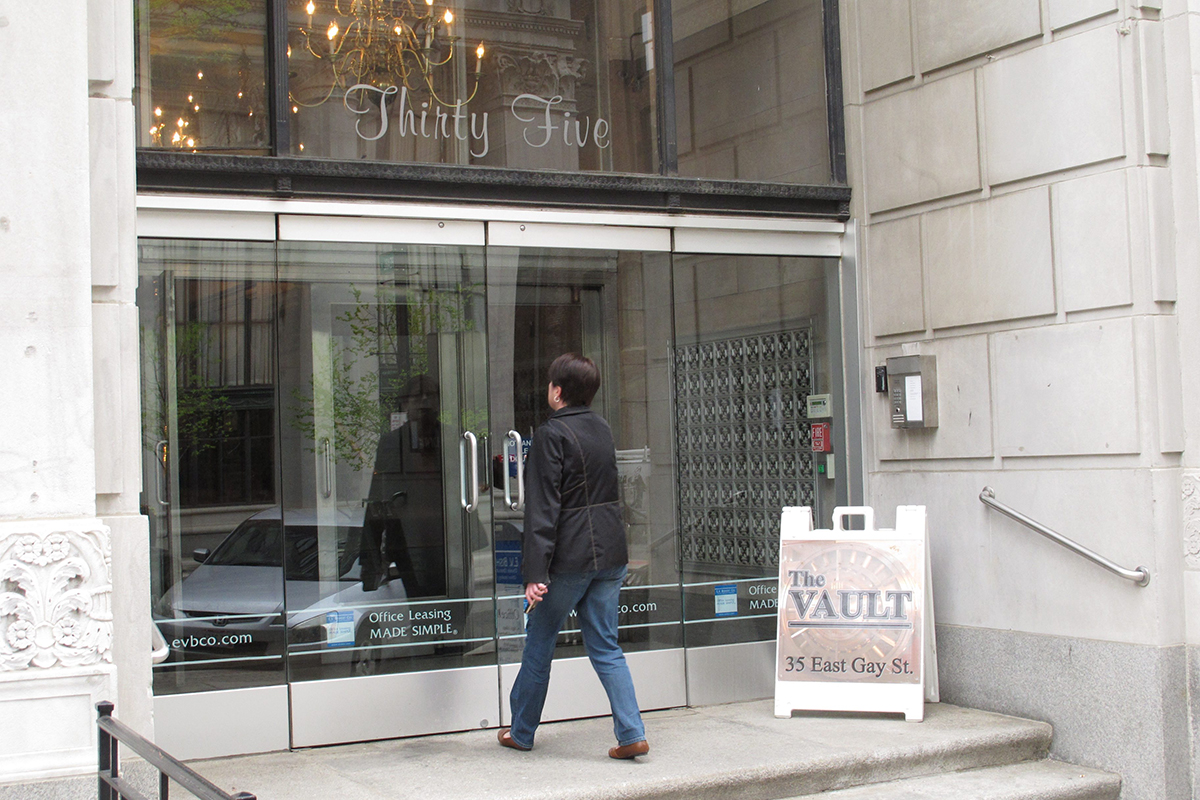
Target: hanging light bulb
310	8
158	111
448	16
333	31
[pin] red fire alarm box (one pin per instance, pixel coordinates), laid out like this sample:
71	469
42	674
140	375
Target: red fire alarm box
822	441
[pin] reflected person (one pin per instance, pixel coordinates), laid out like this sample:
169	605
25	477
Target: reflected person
383	548
574	556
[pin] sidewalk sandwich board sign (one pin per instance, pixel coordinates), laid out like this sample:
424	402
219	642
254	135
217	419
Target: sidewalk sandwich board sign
855	627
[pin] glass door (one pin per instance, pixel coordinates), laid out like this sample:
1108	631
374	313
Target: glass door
207	326
614	307
386	498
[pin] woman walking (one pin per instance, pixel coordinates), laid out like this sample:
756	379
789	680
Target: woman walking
574	556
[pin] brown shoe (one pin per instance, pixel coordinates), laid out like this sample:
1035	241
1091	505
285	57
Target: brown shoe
507	740
629	750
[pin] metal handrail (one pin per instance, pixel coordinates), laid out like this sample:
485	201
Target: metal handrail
1140	575
113	787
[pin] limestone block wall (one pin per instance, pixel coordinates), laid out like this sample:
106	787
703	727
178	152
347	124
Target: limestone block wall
1024	175
70	537
112	192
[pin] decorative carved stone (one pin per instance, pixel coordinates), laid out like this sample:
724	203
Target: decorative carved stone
1191	519
536	7
546	74
55	598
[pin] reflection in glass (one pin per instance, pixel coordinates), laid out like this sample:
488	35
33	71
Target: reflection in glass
208	408
382	369
202	75
535	84
755	336
750	100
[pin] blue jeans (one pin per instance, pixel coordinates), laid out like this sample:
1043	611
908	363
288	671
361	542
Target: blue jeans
594	597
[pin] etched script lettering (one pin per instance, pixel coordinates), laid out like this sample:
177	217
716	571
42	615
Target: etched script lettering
545	126
431	123
384	94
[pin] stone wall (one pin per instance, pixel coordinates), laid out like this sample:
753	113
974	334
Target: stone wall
1024	176
117	404
71	541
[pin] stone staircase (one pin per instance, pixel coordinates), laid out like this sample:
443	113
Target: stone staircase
1025	780
708	753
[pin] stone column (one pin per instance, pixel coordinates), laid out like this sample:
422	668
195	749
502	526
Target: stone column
66	224
115	352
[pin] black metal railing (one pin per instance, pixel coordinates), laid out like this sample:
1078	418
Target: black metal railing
114	787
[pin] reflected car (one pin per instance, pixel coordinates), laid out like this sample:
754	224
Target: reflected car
333	569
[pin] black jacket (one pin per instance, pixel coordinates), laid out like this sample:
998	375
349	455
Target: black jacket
572	505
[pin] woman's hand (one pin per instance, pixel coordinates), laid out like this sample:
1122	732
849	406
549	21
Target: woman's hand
534	592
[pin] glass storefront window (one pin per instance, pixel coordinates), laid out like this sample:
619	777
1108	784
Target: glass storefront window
333	430
750	99
755	336
202	78
561	85
537	84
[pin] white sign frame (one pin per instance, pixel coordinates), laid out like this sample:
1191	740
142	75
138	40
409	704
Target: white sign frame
864	695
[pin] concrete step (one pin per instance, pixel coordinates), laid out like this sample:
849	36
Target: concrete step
1029	780
709	753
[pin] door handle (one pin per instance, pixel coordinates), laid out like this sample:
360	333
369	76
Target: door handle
515	438
470	482
327	491
486	446
160	453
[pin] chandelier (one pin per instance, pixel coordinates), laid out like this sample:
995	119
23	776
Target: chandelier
384	43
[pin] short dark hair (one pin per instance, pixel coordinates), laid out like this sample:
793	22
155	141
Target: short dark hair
578	378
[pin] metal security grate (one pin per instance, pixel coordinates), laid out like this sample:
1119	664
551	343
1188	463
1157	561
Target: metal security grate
743	446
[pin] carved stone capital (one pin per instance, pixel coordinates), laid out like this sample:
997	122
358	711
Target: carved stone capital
55	594
544	73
